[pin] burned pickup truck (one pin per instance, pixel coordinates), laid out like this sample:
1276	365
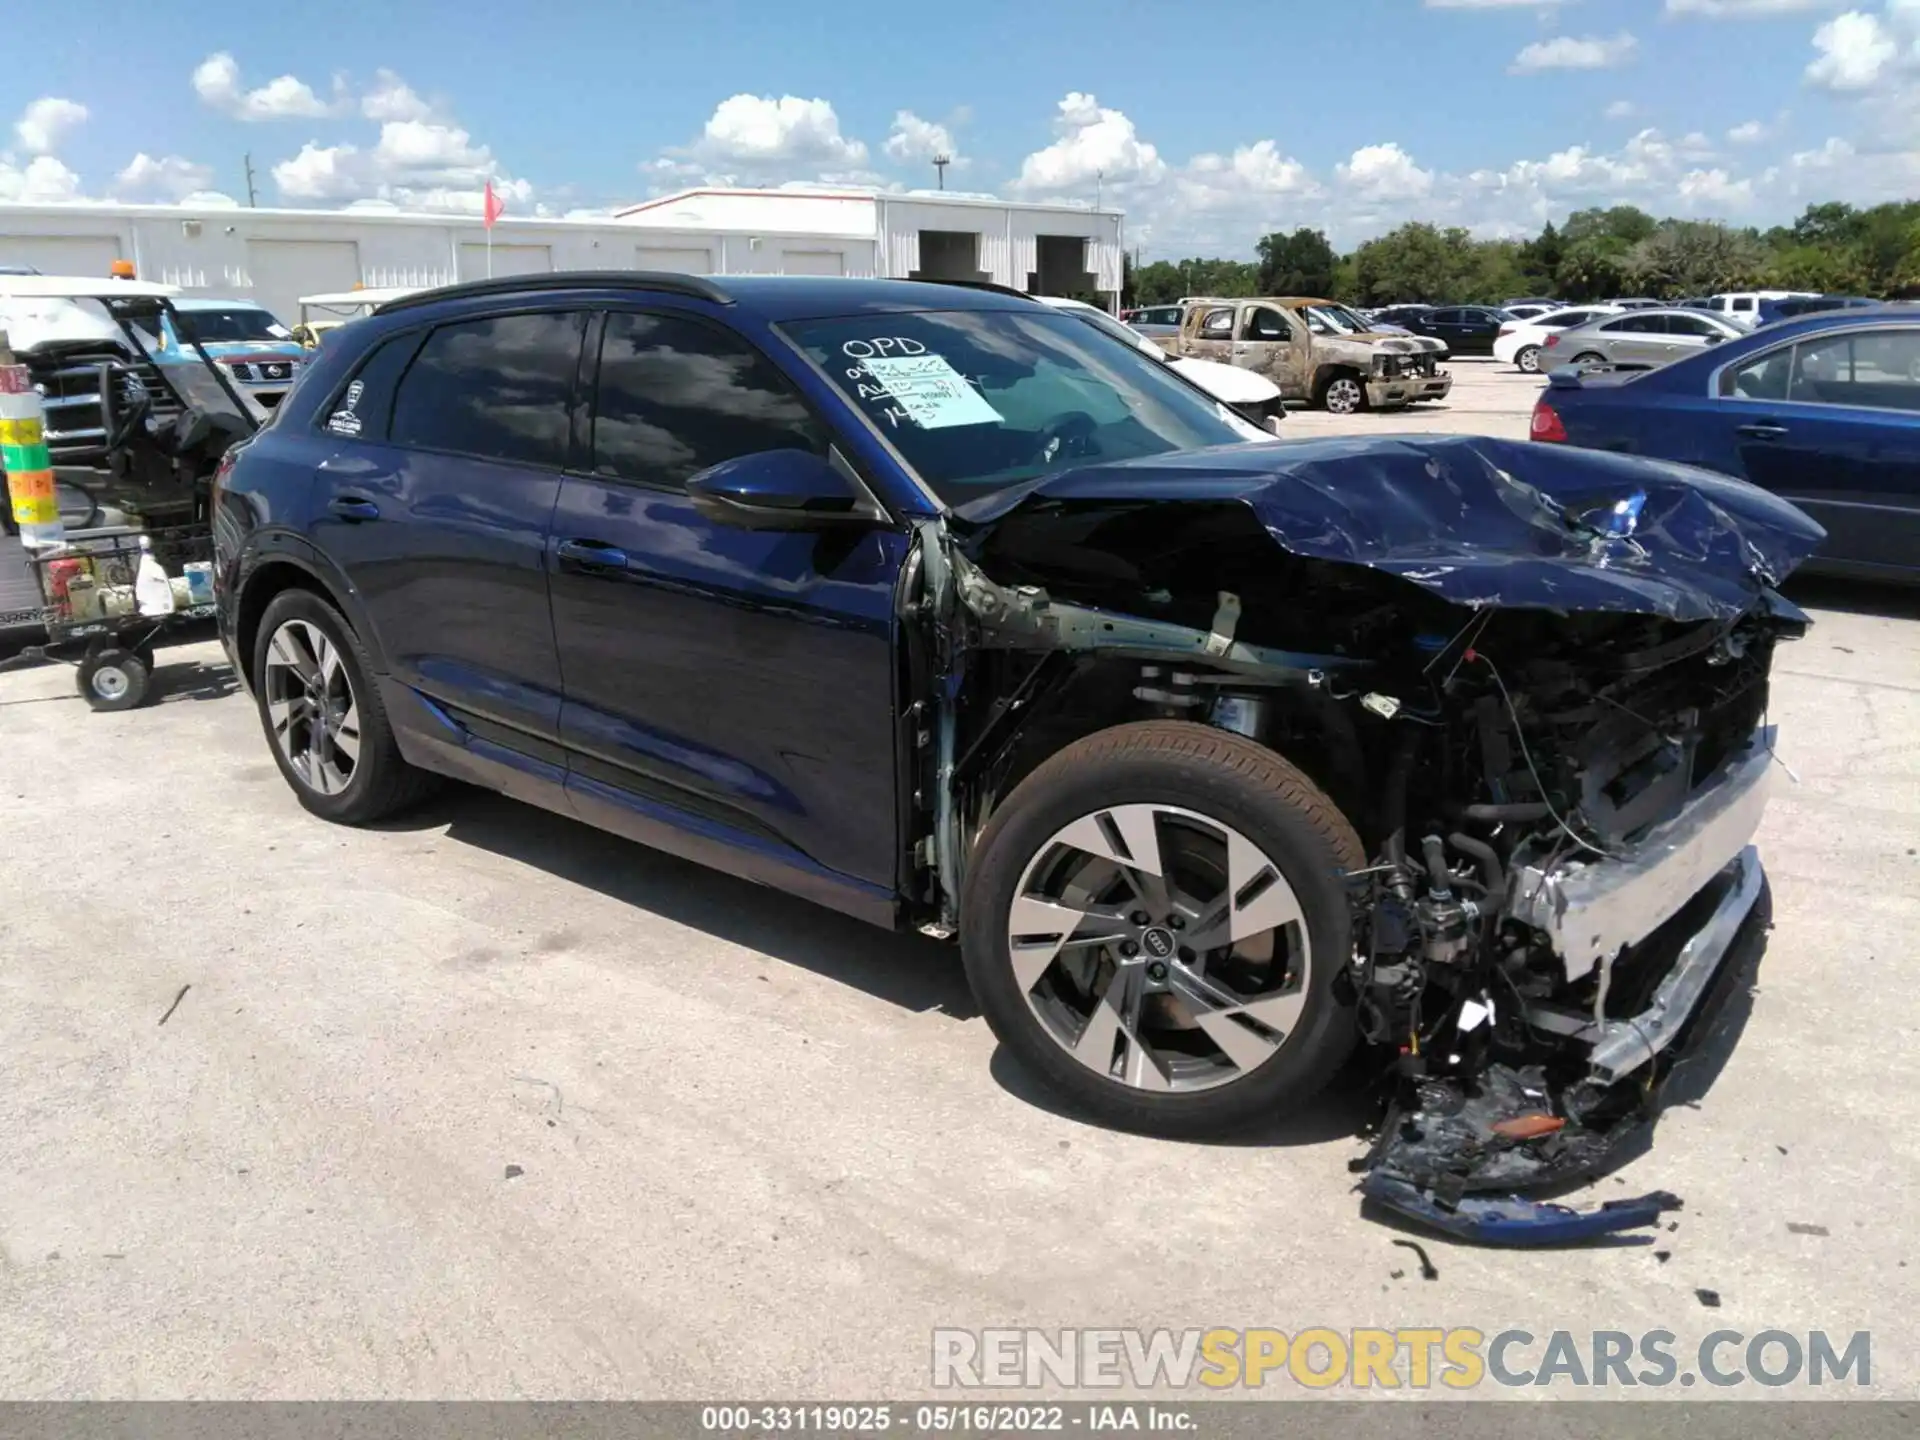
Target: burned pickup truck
1314	350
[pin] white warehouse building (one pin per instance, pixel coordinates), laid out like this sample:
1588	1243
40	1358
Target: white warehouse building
276	256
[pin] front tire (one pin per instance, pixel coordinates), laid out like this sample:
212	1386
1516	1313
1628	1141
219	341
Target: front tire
1156	924
114	679
1343	395
323	717
1528	360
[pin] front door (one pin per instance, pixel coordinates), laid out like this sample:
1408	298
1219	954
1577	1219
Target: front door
728	683
1274	344
435	504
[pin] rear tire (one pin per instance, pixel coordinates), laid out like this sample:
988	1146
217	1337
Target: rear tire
323	717
1590	357
1203	806
1528	360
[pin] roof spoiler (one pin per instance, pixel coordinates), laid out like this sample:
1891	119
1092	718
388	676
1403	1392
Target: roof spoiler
1567	377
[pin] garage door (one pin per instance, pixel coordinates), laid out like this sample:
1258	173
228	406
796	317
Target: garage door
684	260
64	254
813	262
284	270
507	260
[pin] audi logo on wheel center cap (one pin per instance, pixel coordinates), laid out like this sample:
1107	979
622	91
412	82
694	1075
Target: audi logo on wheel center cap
1157	942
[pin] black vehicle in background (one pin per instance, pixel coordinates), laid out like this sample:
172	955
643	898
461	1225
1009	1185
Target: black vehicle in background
1463	329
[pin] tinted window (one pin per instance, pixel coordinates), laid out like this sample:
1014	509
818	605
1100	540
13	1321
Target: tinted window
1879	370
1445	317
1692	325
1566	321
1743	304
365	402
497	388
1637	325
675	397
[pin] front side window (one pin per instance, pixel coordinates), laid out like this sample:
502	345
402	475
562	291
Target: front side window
675	396
974	400
497	389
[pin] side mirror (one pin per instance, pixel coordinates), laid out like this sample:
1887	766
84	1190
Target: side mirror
777	490
1715	339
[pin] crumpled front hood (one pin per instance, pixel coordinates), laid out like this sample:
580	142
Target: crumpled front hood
1479	521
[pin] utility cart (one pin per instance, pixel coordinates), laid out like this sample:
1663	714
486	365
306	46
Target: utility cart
101	601
110	458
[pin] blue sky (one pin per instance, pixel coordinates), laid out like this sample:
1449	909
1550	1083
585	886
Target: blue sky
1209	121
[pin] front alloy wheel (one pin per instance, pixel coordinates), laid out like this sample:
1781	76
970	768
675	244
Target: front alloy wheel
311	708
1160	948
1345	396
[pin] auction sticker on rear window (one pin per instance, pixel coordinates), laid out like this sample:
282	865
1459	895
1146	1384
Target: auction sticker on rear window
933	394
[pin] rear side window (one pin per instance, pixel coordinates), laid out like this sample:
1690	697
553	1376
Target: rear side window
497	389
1218	325
675	396
364	405
1743	304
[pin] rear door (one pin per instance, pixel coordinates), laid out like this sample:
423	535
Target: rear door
437	503
1833	424
1273	343
742	679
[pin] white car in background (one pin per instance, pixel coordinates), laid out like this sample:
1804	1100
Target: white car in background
1254	397
1522	343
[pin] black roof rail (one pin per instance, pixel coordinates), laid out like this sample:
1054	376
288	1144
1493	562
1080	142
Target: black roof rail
695	286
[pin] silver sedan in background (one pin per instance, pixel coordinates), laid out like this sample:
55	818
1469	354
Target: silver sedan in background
1637	340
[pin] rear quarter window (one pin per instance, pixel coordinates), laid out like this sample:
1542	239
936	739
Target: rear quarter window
363	406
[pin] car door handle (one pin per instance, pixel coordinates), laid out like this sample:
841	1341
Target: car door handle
354	508
1762	430
591	555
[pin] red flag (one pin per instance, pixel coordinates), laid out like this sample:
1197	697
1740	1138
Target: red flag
493	206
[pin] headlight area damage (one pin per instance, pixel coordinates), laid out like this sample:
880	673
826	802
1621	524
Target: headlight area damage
1533	679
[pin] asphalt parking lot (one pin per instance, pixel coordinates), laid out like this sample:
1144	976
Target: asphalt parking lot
487	1104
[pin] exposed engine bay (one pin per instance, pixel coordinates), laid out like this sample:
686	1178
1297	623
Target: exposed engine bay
1556	784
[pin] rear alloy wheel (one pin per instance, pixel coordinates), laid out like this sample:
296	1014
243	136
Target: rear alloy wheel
1590	357
1528	360
1155	925
323	716
1344	395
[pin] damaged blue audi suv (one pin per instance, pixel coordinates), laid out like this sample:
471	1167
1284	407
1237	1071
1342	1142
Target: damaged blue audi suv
1219	755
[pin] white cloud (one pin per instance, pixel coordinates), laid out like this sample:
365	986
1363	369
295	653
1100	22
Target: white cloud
1744	9
1568	52
167	178
758	130
391	98
1094	143
1856	51
46	121
1749	133
416	164
914	139
216	80
1622	110
1384	172
42	180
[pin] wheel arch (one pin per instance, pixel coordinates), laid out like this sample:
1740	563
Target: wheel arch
1327	372
282	569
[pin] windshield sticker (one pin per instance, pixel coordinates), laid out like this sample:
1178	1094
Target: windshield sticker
931	392
279	331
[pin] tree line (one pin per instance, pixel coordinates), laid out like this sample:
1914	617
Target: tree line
1601	252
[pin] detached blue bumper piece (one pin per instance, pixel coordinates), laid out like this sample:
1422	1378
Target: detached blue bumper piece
1512	1220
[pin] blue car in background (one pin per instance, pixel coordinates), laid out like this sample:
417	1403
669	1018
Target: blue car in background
259	354
1822	411
1797	306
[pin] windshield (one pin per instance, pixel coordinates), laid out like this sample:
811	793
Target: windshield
1107	325
216	327
1339	317
979	399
